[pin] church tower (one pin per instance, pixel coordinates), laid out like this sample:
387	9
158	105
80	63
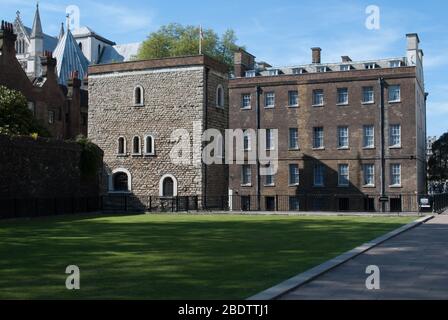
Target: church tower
36	46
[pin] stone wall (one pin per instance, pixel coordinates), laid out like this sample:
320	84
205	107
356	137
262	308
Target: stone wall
42	168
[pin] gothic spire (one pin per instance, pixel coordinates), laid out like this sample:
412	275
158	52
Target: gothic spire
62	32
37	25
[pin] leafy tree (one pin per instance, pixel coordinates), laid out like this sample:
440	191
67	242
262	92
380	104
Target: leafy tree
174	40
91	157
438	162
15	117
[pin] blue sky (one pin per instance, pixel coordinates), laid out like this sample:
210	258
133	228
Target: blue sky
279	32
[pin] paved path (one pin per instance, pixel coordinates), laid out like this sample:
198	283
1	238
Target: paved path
413	265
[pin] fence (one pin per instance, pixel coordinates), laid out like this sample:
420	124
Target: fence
247	203
39	207
439	202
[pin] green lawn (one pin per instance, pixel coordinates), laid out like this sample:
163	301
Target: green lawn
171	257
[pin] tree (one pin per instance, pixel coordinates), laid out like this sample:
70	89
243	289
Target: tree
175	40
15	117
438	162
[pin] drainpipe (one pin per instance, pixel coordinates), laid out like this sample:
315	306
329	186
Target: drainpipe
258	126
207	71
383	201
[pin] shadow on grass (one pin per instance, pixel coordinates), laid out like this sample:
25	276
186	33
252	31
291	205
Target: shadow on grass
171	257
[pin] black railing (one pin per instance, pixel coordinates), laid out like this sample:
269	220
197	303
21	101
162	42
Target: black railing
40	207
276	203
440	202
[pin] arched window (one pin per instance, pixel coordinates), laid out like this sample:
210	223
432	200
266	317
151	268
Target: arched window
136	145
120	180
168	186
149	145
121	146
80	46
138	96
220	96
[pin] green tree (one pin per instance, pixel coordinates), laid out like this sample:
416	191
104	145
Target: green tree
175	40
15	117
438	162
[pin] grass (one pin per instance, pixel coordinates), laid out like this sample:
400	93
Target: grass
171	257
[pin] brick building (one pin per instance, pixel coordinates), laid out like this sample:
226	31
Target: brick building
134	107
62	109
351	134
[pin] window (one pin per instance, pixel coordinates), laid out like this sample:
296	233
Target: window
345	67
149	145
395	64
293	138
270	100
269	178
395	136
293	98
120	182
395	175
294	203
250	74
80	45
369	136
343	175
220	96
136	145
368	95
394	93
294	175
270	139
50	117
369	175
121	150
318	97
319	175
343	137
370	65
246	175
318	138
273	72
342	96
245	101
247	145
168	186
138	96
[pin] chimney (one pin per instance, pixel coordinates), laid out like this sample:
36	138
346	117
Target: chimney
7	39
346	59
243	61
316	55
74	97
412	41
48	64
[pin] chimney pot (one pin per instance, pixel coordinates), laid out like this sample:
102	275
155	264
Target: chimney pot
316	55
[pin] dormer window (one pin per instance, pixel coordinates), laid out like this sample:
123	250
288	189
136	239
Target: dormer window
138	96
298	71
322	69
273	72
370	66
345	67
395	64
250	74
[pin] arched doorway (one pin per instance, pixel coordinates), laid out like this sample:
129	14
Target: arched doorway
168	186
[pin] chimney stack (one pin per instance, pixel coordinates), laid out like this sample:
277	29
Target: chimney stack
316	55
48	64
7	39
243	61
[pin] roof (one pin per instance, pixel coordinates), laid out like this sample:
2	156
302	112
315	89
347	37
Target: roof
37	25
120	53
50	42
84	32
69	58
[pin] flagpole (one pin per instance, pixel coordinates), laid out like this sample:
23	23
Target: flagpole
200	39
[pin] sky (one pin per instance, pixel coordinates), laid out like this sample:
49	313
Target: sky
279	32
